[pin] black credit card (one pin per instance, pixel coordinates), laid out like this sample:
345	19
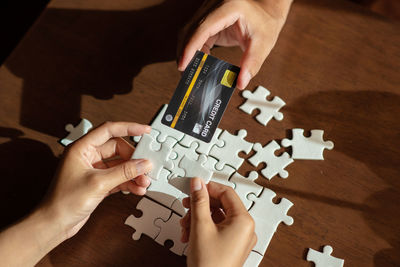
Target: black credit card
202	95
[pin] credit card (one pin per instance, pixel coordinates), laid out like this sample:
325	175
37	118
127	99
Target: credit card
202	95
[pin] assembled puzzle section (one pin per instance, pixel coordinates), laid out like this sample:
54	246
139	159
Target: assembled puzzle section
258	100
307	147
228	153
244	186
171	230
76	132
145	224
324	259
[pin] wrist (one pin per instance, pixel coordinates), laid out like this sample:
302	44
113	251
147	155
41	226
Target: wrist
279	9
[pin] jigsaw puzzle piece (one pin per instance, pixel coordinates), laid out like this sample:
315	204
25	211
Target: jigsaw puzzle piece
146	223
192	168
76	132
220	176
178	207
253	260
324	259
307	147
275	165
165	130
159	158
154	133
245	186
171	230
178	152
258	100
267	216
163	192
228	154
203	147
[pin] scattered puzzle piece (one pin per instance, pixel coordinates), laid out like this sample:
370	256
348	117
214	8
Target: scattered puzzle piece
76	132
203	147
267	216
228	154
145	224
245	186
324	259
258	100
159	158
253	260
171	230
307	147
275	165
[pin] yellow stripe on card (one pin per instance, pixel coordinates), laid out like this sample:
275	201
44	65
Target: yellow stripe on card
189	90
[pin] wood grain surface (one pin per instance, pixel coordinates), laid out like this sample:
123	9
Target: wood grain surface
335	65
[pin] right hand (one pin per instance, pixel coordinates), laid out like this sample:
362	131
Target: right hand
218	227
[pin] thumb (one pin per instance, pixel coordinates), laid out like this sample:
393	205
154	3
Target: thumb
126	171
252	60
199	204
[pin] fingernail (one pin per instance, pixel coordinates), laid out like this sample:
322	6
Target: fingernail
246	79
143	166
196	184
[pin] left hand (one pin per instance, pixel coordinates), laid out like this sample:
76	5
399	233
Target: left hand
95	166
252	25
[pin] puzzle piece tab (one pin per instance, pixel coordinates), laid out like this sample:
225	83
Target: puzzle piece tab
307	147
76	132
258	100
275	165
146	223
228	154
159	158
324	259
267	216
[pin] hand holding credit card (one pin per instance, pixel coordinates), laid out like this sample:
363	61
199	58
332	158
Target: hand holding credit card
202	95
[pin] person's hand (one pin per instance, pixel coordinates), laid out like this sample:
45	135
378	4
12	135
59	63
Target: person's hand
252	25
218	227
92	168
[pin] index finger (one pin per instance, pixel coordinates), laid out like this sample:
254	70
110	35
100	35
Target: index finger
229	200
108	130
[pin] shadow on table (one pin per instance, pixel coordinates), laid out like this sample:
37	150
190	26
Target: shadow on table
27	167
367	128
70	53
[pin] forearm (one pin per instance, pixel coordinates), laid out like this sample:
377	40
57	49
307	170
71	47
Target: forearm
26	242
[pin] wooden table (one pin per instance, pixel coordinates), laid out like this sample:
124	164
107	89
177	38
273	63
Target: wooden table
335	65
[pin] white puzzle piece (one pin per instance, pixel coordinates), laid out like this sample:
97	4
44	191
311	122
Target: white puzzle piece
275	165
171	230
203	147
253	260
245	186
267	216
220	176
159	158
258	100
324	259
164	129
146	223
178	207
192	168
76	132
307	147
161	191
178	152
154	133
228	154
